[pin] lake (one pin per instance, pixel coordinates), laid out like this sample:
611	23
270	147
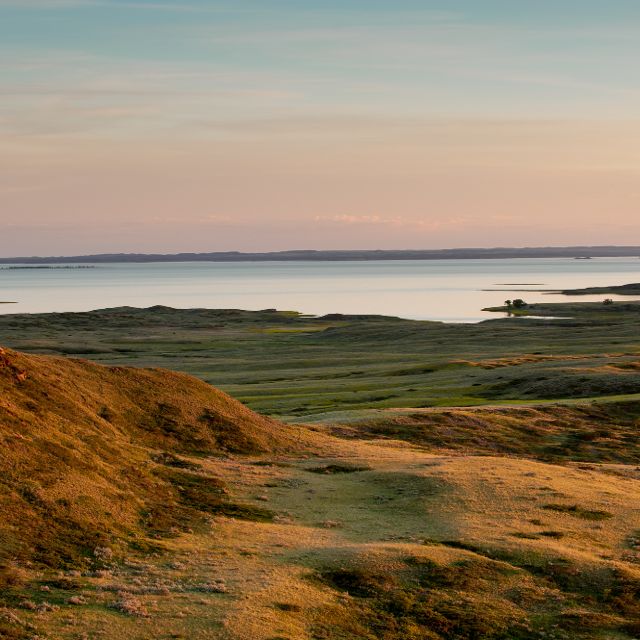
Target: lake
447	290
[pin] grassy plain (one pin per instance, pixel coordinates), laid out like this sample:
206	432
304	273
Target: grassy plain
145	505
429	481
302	368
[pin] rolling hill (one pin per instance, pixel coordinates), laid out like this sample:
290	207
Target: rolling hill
140	504
87	449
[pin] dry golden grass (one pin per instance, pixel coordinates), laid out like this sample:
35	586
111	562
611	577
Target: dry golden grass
605	432
526	358
80	446
140	505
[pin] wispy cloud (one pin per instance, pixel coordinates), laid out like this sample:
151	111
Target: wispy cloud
115	4
392	221
26	188
214	220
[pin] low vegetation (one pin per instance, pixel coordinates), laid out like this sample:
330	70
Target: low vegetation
596	432
301	368
579	512
141	504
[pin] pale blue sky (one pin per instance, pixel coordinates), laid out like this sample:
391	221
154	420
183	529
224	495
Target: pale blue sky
475	57
184	118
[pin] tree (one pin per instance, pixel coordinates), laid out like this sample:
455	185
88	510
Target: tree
607	301
518	303
508	303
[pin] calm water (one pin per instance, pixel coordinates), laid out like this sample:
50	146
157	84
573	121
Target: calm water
449	290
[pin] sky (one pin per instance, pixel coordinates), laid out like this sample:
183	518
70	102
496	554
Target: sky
259	125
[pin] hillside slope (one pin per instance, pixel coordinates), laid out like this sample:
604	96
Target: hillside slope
90	455
145	505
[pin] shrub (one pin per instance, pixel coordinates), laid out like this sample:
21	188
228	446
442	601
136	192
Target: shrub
579	512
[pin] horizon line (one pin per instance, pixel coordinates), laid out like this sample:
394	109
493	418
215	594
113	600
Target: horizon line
324	254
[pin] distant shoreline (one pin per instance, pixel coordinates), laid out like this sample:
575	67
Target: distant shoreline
632	289
13	267
496	253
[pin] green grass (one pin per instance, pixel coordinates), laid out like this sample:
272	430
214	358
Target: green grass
298	367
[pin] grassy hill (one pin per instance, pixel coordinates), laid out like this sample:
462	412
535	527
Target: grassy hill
603	432
144	504
91	456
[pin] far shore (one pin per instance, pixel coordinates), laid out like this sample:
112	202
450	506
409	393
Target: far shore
632	289
304	255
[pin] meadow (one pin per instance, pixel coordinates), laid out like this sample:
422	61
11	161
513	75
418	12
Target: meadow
338	368
406	479
144	504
